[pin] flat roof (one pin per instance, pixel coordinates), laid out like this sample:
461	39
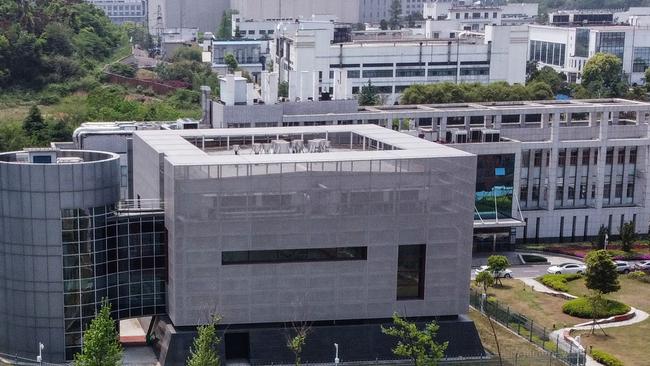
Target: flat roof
179	150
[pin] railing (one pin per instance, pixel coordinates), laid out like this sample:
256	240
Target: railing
151	204
554	346
7	359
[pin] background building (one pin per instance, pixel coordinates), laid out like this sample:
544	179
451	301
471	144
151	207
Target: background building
206	15
347	11
567	49
309	56
554	170
120	11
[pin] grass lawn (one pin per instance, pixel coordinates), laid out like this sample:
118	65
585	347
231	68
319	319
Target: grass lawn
509	342
629	344
544	310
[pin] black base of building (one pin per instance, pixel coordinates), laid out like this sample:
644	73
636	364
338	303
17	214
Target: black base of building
265	344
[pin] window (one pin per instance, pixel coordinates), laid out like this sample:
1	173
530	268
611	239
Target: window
561	158
537	159
410	271
494	15
523	193
630	190
611	42
410	72
574	158
633	156
620	158
354	74
641	59
547	52
609	158
585	157
377	73
294	255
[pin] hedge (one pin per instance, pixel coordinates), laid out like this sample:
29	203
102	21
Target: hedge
581	308
558	282
605	358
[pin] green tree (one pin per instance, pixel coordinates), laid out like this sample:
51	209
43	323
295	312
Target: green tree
34	124
484	279
59	131
603	76
101	344
297	342
418	345
368	95
204	349
647	76
539	90
187	54
599	241
555	80
224	32
601	274
230	61
628	235
383	24
283	89
122	69
496	264
395	13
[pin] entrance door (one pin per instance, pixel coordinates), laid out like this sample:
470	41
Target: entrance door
237	346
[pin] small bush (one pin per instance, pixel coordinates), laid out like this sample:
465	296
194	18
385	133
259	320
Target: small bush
558	282
49	99
605	358
636	275
122	69
581	308
532	258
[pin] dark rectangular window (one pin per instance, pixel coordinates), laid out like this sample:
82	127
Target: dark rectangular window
410	271
294	255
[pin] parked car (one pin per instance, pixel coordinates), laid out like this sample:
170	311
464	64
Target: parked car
506	273
642	266
567	268
623	267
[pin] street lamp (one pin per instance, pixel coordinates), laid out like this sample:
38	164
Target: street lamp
336	357
606	240
41	347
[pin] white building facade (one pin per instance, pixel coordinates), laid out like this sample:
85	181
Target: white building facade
305	55
567	49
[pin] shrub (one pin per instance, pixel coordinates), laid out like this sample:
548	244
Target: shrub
558	282
636	275
532	258
122	69
582	308
605	358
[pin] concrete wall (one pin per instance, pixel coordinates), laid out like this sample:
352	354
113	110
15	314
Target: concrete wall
327	207
31	274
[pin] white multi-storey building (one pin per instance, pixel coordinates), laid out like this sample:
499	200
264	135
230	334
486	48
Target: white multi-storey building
567	49
306	55
120	11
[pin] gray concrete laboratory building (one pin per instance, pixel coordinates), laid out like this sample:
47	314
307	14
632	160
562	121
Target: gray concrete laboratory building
337	227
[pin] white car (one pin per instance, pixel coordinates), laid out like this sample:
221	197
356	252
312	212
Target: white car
506	273
623	267
567	268
642	266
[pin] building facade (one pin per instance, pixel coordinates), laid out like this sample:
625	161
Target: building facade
276	226
565	168
120	11
567	49
306	56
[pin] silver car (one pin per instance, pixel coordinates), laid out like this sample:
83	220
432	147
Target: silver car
623	267
567	268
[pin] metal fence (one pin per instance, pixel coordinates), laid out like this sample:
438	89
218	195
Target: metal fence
15	360
554	345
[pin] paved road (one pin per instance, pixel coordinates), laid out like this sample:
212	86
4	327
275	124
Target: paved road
535	270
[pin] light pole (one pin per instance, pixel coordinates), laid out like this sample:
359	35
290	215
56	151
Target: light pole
336	357
606	240
39	358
